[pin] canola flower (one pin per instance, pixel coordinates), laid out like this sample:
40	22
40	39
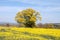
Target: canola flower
14	33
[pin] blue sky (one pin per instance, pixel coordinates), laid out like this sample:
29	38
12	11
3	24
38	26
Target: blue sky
49	9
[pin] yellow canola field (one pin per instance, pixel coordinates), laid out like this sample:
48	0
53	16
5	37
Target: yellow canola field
14	33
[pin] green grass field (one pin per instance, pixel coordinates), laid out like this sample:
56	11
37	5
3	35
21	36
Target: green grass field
14	33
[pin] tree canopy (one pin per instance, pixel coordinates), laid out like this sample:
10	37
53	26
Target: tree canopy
28	17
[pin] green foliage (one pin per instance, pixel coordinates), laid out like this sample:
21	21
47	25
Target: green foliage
28	17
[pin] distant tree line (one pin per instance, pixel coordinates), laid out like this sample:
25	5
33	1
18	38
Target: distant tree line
40	25
48	25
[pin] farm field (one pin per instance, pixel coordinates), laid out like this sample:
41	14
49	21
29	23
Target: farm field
15	33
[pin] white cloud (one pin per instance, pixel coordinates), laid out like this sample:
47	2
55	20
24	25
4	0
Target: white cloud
38	2
8	8
16	9
11	12
52	9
